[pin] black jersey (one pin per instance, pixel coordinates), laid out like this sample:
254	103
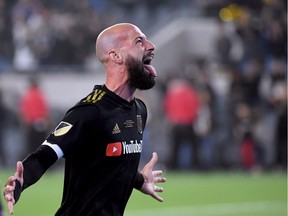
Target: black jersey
101	138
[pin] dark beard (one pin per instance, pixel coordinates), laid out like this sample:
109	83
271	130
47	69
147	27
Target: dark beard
138	78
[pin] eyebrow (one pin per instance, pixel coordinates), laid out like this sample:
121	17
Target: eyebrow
143	37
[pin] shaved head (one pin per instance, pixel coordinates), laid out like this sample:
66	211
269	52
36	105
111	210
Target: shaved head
112	38
126	55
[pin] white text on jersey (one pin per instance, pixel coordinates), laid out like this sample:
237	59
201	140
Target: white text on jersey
133	147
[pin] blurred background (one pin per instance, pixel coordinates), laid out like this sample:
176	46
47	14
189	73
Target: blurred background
220	102
218	112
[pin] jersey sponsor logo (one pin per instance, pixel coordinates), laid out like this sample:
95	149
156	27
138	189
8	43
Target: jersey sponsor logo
116	129
114	149
123	148
132	147
62	128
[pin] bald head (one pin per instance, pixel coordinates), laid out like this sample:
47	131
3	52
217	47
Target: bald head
112	38
126	55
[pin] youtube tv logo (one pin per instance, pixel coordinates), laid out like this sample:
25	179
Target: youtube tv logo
114	149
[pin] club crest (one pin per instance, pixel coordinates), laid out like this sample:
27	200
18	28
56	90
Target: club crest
139	124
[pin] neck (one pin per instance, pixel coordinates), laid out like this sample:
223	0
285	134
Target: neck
117	81
122	89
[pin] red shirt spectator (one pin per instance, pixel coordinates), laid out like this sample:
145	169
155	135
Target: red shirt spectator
33	106
181	103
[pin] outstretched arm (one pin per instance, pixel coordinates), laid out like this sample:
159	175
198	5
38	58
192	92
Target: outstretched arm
151	177
28	173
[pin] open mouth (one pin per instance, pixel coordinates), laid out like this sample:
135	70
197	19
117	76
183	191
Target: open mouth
148	59
147	65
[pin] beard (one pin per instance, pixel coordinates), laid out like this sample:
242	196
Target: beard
138	77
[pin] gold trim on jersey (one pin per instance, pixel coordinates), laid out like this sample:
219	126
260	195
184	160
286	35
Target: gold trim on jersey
94	97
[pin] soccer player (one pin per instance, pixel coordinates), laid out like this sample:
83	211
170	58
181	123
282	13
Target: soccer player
100	138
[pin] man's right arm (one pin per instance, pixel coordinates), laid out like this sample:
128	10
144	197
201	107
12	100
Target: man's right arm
29	172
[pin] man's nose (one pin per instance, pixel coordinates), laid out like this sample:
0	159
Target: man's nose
150	46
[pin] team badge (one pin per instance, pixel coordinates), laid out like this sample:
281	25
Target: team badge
62	128
139	124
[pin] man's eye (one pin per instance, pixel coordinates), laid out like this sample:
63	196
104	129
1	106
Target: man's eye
139	41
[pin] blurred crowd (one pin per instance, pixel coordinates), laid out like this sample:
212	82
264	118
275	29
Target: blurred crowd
44	34
39	33
229	111
241	101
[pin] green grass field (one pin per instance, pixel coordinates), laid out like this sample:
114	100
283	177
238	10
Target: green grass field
186	194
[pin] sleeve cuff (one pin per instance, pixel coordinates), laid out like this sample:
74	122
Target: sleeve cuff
139	181
18	190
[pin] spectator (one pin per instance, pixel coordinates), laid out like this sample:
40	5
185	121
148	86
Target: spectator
244	133
6	49
203	128
181	104
223	46
34	115
25	15
279	101
276	40
250	81
251	37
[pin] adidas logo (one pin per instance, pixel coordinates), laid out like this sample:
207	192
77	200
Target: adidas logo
116	129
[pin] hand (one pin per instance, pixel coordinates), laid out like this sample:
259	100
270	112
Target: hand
10	186
151	177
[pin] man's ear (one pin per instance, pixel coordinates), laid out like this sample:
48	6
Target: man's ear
116	56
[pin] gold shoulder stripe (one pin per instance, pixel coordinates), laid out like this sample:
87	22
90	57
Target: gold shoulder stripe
96	96
62	128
